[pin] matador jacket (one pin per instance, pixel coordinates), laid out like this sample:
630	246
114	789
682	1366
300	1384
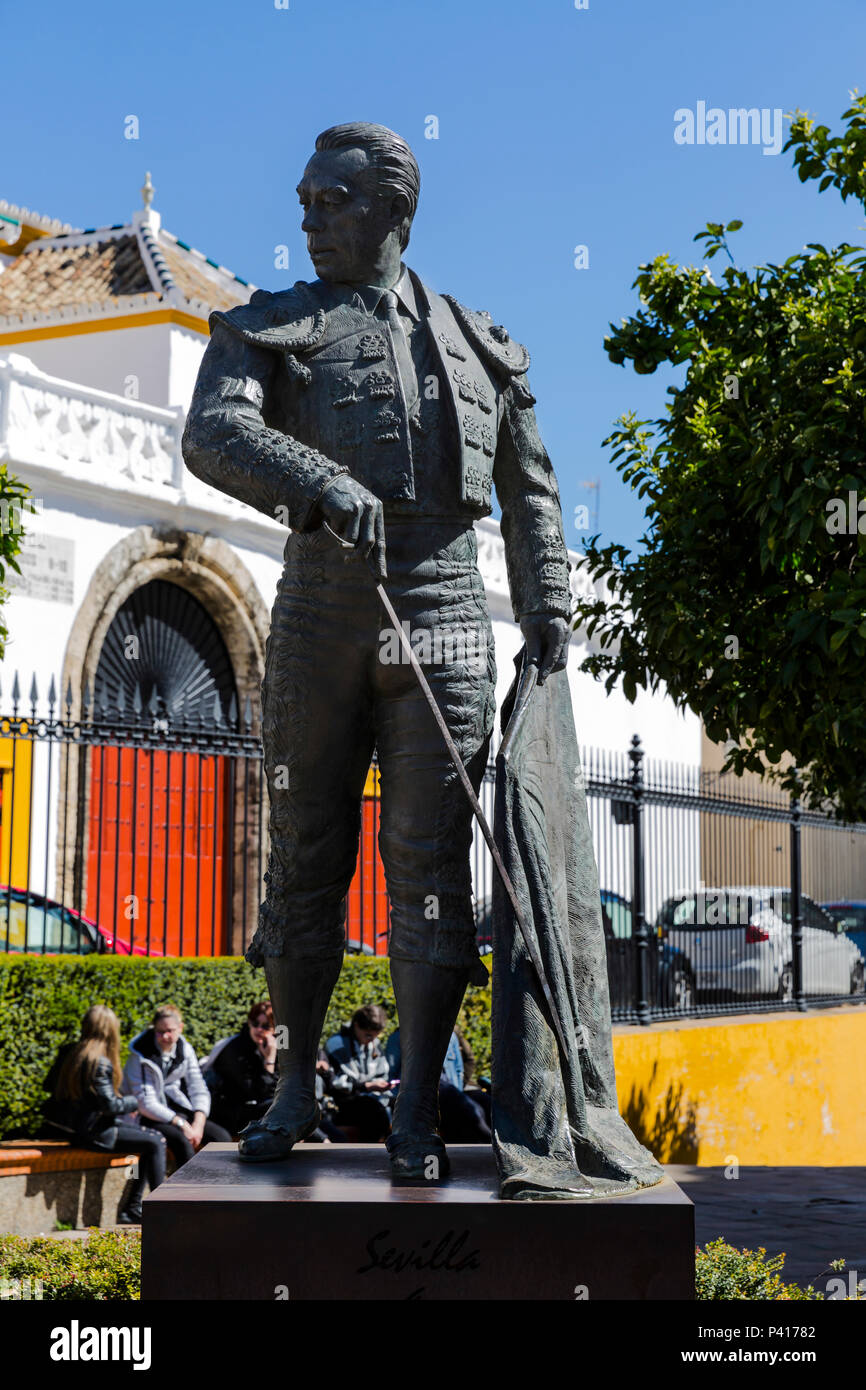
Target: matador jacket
302	385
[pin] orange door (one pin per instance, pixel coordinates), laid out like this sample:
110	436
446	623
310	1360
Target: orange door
157	851
367	906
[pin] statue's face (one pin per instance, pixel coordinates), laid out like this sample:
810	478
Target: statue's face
346	221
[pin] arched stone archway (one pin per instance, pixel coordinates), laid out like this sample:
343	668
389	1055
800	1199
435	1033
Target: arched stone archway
210	570
205	565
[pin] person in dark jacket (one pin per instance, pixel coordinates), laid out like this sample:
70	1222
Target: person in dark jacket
85	1104
244	1071
240	1074
360	1082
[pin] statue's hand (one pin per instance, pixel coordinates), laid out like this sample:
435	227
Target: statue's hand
546	637
355	515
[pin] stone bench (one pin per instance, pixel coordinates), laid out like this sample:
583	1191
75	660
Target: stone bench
46	1181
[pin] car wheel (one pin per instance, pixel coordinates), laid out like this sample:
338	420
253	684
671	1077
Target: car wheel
785	990
858	981
682	991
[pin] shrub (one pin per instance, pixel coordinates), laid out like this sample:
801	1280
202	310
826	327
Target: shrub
14	499
107	1265
42	1000
722	1271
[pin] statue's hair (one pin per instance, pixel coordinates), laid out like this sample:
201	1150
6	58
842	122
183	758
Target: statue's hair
396	168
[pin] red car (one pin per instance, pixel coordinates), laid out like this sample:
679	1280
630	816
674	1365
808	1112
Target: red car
41	926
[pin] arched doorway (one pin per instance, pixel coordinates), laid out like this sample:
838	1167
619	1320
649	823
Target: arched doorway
211	571
159	832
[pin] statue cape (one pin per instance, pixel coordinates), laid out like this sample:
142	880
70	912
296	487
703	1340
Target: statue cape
557	1131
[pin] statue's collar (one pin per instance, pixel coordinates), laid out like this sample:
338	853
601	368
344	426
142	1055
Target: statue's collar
369	296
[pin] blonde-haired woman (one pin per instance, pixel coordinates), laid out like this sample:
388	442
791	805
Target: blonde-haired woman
86	1104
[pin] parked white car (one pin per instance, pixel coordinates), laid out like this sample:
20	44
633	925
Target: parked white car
739	940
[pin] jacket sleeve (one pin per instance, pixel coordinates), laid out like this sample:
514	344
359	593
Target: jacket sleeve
108	1102
243	1080
394	1055
535	553
194	1083
345	1080
227	444
138	1079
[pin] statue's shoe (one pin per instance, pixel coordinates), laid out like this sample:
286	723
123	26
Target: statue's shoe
260	1143
418	1157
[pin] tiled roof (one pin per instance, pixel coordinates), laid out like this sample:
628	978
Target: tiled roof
190	272
122	269
50	276
18	226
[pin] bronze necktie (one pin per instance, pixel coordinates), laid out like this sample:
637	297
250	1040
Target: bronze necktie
402	353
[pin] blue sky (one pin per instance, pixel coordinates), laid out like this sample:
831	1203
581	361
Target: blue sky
555	129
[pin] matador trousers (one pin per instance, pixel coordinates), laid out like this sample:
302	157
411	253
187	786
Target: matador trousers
337	687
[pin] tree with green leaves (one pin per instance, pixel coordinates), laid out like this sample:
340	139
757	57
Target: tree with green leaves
14	502
748	597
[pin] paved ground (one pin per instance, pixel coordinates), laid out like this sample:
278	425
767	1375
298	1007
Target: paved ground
814	1214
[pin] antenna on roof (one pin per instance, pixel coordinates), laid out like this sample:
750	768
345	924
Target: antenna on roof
147	192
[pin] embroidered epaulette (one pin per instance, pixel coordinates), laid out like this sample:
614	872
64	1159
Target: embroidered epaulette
507	357
289	321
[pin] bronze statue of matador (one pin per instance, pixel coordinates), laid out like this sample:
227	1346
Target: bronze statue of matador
364	405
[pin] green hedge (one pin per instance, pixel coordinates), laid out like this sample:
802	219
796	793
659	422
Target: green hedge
42	1000
107	1265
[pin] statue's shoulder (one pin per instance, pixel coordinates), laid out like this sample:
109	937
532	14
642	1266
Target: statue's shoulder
504	354
285	321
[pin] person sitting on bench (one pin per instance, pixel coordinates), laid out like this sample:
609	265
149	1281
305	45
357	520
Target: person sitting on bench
87	1107
163	1074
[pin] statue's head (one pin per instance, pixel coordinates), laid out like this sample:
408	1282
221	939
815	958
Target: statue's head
359	193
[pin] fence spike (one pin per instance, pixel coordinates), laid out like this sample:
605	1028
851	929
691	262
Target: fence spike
136	700
85	698
52	695
233	711
16	693
248	714
153	704
121	701
217	710
34	693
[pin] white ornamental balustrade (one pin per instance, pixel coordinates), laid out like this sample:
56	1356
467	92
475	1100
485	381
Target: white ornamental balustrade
88	434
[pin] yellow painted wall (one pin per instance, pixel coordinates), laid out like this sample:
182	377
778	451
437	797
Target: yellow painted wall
16	761
770	1089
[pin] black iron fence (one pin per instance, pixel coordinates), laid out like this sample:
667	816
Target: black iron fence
712	892
719	894
134	830
143	830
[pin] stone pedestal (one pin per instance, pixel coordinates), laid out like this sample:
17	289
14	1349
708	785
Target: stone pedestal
327	1223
